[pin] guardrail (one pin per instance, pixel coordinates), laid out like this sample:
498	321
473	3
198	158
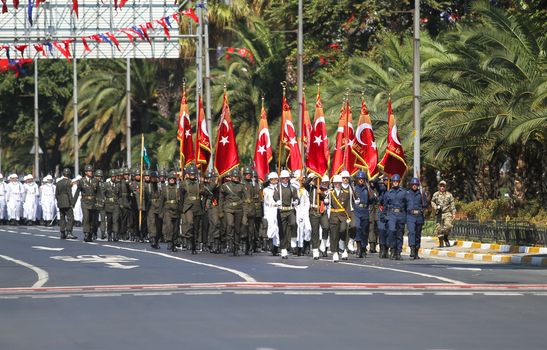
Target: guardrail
511	232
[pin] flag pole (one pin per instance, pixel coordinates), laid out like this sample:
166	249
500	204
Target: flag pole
284	85
346	131
140	183
182	140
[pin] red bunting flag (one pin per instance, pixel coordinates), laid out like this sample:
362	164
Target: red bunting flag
394	158
184	134
16	4
318	157
288	137
114	40
4	6
122	3
75	7
65	51
191	13
263	148
86	46
21	49
40	48
364	146
203	143
226	157
165	28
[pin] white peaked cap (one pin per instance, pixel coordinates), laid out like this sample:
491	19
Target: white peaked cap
325	178
345	173
28	177
13	176
337	178
284	173
272	175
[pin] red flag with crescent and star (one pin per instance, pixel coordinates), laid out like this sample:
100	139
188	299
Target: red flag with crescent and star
364	147
184	134
344	159
394	158
263	148
294	158
318	148
203	143
306	125
226	157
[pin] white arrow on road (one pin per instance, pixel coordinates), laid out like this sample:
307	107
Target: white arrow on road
39	247
289	266
120	266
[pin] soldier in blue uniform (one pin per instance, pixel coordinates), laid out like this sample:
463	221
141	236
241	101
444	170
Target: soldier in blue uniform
381	188
416	203
395	203
361	218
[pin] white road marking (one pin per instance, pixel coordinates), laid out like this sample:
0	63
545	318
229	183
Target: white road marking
403	293
444	279
43	276
289	266
145	294
495	294
453	293
458	268
120	266
302	292
50	296
25	233
111	261
39	247
39	235
53	237
101	295
204	292
241	274
353	293
252	292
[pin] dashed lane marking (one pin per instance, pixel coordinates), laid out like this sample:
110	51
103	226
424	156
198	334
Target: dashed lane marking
289	266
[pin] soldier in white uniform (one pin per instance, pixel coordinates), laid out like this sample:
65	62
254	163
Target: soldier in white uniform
3	189
30	200
78	213
14	199
47	200
270	212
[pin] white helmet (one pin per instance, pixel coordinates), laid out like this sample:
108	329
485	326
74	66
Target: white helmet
13	176
336	178
48	178
325	178
284	173
28	177
345	173
272	175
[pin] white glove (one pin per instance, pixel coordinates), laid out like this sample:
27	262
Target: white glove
278	203
357	201
295	202
326	201
348	220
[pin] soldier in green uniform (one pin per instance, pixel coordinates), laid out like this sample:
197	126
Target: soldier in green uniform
211	198
152	196
287	198
231	204
99	220
261	238
318	210
252	192
111	206
193	208
138	209
340	216
373	215
444	206
65	203
170	207
88	187
124	201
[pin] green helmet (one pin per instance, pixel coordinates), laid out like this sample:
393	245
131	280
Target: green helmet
88	167
162	173
67	172
98	173
153	173
125	171
172	175
191	169
113	172
146	172
247	170
235	173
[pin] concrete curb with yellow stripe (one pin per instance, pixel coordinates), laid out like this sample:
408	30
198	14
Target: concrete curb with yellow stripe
502	248
486	257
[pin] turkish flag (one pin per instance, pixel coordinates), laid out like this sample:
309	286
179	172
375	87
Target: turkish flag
226	157
263	148
203	143
184	134
318	147
288	137
306	125
394	158
364	147
344	158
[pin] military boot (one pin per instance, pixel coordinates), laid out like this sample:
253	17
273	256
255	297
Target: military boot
69	235
109	237
63	235
372	248
87	237
103	235
392	254
173	247
412	250
446	241
416	250
441	242
299	251
155	243
398	256
115	237
275	250
359	250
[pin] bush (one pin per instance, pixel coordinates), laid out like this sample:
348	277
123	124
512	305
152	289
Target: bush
502	210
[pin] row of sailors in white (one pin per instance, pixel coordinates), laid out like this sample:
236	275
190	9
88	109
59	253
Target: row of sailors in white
29	202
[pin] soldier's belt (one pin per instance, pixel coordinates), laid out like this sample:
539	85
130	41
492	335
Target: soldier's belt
415	212
314	206
154	200
192	198
88	197
247	201
109	199
171	202
361	205
285	208
337	210
396	210
234	204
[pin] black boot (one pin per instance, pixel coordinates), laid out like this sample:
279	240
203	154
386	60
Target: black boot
63	235
173	246
392	254
416	250
446	241
109	237
359	250
87	237
155	243
412	250
115	237
235	249
103	236
275	250
372	247
299	251
398	256
441	242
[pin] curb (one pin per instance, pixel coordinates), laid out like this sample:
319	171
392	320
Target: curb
502	248
495	258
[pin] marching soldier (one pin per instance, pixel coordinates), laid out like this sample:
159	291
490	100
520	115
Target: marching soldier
395	202
362	196
340	219
211	197
416	203
170	207
65	202
249	232
381	188
192	209
152	196
318	211
373	217
444	206
231	203
111	206
99	206
124	191
88	187
260	237
287	198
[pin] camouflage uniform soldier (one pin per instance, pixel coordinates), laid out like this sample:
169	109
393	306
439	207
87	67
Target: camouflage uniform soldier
88	186
192	209
212	211
260	237
111	206
65	202
152	199
231	202
124	192
444	207
249	231
170	207
99	220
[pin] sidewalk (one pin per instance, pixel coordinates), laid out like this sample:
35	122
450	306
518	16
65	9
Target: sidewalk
476	251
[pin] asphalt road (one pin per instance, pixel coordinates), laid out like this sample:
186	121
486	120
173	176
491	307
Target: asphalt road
73	295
